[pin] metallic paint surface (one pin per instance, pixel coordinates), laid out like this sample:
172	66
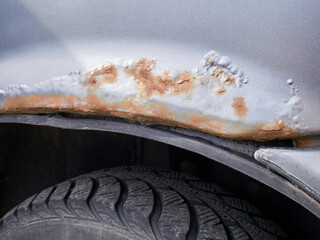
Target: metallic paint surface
276	43
290	163
271	42
214	97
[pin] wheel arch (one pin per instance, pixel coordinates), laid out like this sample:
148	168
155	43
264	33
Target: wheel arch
233	154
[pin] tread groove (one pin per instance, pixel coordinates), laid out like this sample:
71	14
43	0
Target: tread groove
15	214
121	201
46	202
95	187
229	233
156	211
193	232
249	235
240	224
227	229
30	206
66	198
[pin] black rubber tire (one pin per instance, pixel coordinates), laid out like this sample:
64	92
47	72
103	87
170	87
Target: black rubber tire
136	203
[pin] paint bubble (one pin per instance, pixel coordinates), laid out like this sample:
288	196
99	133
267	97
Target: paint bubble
290	81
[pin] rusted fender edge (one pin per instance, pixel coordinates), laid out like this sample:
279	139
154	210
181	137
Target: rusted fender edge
234	154
213	97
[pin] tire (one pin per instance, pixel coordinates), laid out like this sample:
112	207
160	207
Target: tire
136	203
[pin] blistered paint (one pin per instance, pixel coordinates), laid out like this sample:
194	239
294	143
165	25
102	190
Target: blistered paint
212	98
150	84
105	74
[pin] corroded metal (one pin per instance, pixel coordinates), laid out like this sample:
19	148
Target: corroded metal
308	142
213	98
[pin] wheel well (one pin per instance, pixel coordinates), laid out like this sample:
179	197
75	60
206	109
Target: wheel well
36	157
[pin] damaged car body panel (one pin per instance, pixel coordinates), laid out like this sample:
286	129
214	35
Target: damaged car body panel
267	88
213	97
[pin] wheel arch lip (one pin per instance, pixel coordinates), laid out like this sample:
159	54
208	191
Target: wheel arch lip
284	178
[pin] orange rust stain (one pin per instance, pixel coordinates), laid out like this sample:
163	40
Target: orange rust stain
203	122
24	102
308	142
221	92
92	81
93	103
220	73
239	106
128	109
276	131
110	74
230	80
162	111
43	102
107	74
152	113
150	84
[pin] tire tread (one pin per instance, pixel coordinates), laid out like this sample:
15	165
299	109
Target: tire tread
148	203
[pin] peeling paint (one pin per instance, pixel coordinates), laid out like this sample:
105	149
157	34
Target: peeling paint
212	98
265	132
150	84
100	75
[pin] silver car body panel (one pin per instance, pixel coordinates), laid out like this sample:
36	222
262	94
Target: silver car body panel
275	43
301	166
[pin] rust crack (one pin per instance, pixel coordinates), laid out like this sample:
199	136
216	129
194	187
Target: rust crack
183	81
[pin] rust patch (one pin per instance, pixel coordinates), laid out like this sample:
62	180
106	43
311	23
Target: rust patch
128	109
239	107
221	92
220	73
57	101
276	131
198	121
145	114
92	82
150	84
106	74
230	80
308	142
110	74
161	111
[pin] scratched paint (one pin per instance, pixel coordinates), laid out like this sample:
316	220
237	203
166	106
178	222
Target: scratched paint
212	97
